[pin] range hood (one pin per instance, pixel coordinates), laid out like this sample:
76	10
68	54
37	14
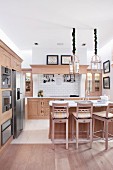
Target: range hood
55	69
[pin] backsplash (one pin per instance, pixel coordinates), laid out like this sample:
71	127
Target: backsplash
61	86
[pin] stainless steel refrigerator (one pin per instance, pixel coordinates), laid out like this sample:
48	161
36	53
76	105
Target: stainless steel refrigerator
18	103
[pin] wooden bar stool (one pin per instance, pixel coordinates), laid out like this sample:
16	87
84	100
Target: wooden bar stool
106	117
83	114
60	114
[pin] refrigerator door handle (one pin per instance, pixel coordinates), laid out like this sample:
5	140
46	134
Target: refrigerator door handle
10	100
18	93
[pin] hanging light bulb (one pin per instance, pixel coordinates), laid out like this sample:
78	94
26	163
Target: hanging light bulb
74	63
95	60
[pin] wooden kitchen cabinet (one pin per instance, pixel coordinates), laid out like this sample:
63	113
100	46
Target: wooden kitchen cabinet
38	108
5	58
15	64
46	107
28	82
33	107
9	58
94	84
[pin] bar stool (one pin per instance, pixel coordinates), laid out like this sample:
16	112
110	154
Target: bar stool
60	114
83	114
106	117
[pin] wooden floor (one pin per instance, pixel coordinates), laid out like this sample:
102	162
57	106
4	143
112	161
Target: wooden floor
43	157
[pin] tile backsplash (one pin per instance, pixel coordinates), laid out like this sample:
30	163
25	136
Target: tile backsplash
58	87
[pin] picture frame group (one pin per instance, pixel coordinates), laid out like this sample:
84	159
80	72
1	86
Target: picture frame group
54	59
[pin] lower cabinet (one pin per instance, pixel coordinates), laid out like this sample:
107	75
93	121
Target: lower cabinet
38	108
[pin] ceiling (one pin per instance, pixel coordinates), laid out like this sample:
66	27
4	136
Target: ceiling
50	22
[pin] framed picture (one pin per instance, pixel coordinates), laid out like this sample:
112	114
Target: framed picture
65	59
106	82
52	60
106	66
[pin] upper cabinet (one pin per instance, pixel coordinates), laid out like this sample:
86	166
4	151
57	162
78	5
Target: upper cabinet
16	65
8	58
28	82
5	58
94	84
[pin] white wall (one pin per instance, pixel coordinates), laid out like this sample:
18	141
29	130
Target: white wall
39	54
106	53
82	55
27	59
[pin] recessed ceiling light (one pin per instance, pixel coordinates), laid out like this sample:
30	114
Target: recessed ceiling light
35	43
83	44
60	43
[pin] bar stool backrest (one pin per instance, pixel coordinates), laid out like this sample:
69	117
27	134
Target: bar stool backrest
60	110
109	109
85	107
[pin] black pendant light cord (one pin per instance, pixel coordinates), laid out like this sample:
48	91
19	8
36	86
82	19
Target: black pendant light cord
73	40
95	40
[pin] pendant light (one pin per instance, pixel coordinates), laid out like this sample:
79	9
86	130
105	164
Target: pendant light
74	63
95	60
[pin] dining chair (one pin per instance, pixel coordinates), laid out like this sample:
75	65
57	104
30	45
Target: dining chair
82	115
106	117
60	114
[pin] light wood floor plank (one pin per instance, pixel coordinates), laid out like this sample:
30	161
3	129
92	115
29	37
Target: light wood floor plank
99	152
43	157
88	157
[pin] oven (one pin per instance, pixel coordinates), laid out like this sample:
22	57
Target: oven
6	100
5	77
6	131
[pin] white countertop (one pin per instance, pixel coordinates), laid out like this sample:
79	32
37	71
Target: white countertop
63	97
73	103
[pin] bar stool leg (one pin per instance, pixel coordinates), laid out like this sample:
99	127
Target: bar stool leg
66	133
91	133
106	134
53	127
77	133
103	132
88	127
93	126
72	130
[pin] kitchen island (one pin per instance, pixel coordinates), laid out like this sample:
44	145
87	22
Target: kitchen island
38	107
98	105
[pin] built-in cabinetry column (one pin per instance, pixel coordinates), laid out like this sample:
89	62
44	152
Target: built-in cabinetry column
94	83
28	82
9	61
